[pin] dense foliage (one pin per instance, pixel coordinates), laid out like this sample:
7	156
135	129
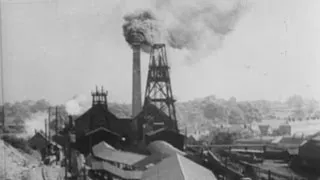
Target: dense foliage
195	113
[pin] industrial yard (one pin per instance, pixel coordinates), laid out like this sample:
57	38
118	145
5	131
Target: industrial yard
99	145
155	135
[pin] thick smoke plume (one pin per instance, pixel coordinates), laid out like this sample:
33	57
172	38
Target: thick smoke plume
198	26
142	26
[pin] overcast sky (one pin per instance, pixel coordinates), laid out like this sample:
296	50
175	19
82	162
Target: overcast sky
60	49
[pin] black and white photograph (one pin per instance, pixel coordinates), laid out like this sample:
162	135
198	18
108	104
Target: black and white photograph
159	90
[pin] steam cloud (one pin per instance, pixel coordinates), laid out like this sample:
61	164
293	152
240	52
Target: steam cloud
35	122
76	105
198	26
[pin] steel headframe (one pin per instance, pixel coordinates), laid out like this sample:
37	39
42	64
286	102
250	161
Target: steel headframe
158	88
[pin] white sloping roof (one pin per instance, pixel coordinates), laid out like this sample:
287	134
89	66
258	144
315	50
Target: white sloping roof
150	160
103	145
163	148
177	167
107	152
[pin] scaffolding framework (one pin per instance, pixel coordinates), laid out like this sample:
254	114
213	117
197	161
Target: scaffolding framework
158	88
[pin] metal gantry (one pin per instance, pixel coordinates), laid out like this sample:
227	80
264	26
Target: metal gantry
158	88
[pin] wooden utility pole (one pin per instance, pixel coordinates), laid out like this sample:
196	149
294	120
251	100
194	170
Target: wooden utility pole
46	133
57	121
49	120
2	73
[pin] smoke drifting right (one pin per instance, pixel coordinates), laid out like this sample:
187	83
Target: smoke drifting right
183	25
141	28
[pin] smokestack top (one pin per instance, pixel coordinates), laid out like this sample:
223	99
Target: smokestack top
135	38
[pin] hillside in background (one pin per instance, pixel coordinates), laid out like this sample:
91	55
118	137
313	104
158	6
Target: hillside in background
195	115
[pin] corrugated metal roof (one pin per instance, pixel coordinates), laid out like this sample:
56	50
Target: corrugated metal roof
178	168
106	152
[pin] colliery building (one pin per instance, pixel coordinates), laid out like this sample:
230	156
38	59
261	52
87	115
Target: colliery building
99	124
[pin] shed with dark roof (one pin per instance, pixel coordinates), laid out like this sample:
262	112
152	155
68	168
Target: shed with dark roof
39	141
309	152
99	116
101	134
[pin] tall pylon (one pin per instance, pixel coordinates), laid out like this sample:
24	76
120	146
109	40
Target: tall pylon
158	88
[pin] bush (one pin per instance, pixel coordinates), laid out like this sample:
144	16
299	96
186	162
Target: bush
18	143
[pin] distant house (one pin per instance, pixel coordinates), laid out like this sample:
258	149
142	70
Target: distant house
264	130
39	142
284	129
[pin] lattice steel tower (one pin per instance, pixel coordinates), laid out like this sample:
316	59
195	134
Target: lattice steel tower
158	87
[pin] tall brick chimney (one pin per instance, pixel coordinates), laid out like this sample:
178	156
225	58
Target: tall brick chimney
136	40
136	79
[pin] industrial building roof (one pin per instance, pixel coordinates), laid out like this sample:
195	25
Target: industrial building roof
99	116
163	148
124	174
41	135
107	152
101	129
178	168
310	149
150	160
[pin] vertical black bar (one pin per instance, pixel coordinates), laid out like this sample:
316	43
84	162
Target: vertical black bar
49	120
46	135
56	133
57	120
65	158
269	175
